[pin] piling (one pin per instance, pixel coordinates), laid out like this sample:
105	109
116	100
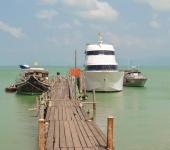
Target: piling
80	83
91	114
37	104
94	99
41	134
110	122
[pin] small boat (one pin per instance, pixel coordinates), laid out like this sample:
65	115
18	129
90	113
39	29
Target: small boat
32	81
101	69
11	88
134	78
24	66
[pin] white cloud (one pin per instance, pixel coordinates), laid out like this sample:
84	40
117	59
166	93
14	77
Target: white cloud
63	25
128	40
161	5
46	14
77	22
155	15
53	39
48	2
127	25
50	25
155	24
17	32
93	9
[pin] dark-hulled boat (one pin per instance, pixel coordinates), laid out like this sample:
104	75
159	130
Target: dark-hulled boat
32	81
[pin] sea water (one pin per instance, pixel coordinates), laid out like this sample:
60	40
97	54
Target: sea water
141	114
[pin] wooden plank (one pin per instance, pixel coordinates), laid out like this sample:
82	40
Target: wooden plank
56	114
80	113
86	128
94	142
81	138
85	114
62	135
87	149
63	149
75	137
60	112
89	144
51	117
50	136
56	148
64	114
69	140
78	148
56	134
56	103
68	117
72	114
101	133
76	113
97	135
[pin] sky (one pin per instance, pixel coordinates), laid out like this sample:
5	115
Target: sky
49	31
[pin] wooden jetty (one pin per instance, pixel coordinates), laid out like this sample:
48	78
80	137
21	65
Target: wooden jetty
64	124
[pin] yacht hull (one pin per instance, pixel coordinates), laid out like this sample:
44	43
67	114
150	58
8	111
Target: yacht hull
104	81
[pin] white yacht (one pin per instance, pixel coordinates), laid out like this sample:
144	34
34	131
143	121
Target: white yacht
101	69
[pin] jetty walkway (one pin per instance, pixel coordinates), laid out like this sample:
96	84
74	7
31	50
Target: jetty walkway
64	124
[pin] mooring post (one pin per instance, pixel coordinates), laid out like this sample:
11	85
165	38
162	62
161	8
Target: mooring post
84	87
37	104
91	114
80	83
94	99
110	122
41	112
41	134
75	87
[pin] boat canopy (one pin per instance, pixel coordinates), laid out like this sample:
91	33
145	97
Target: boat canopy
33	70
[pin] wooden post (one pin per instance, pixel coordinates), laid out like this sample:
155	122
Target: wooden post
84	87
50	103
91	114
110	123
37	104
94	99
75	84
75	59
80	83
41	134
41	112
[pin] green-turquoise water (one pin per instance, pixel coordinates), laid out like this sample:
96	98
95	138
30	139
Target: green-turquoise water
141	114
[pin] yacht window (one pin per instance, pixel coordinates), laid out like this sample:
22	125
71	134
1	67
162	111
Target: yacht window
101	67
103	52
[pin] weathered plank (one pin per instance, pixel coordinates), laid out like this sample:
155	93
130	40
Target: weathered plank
84	134
97	135
62	135
50	138
57	134
81	138
74	133
69	140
